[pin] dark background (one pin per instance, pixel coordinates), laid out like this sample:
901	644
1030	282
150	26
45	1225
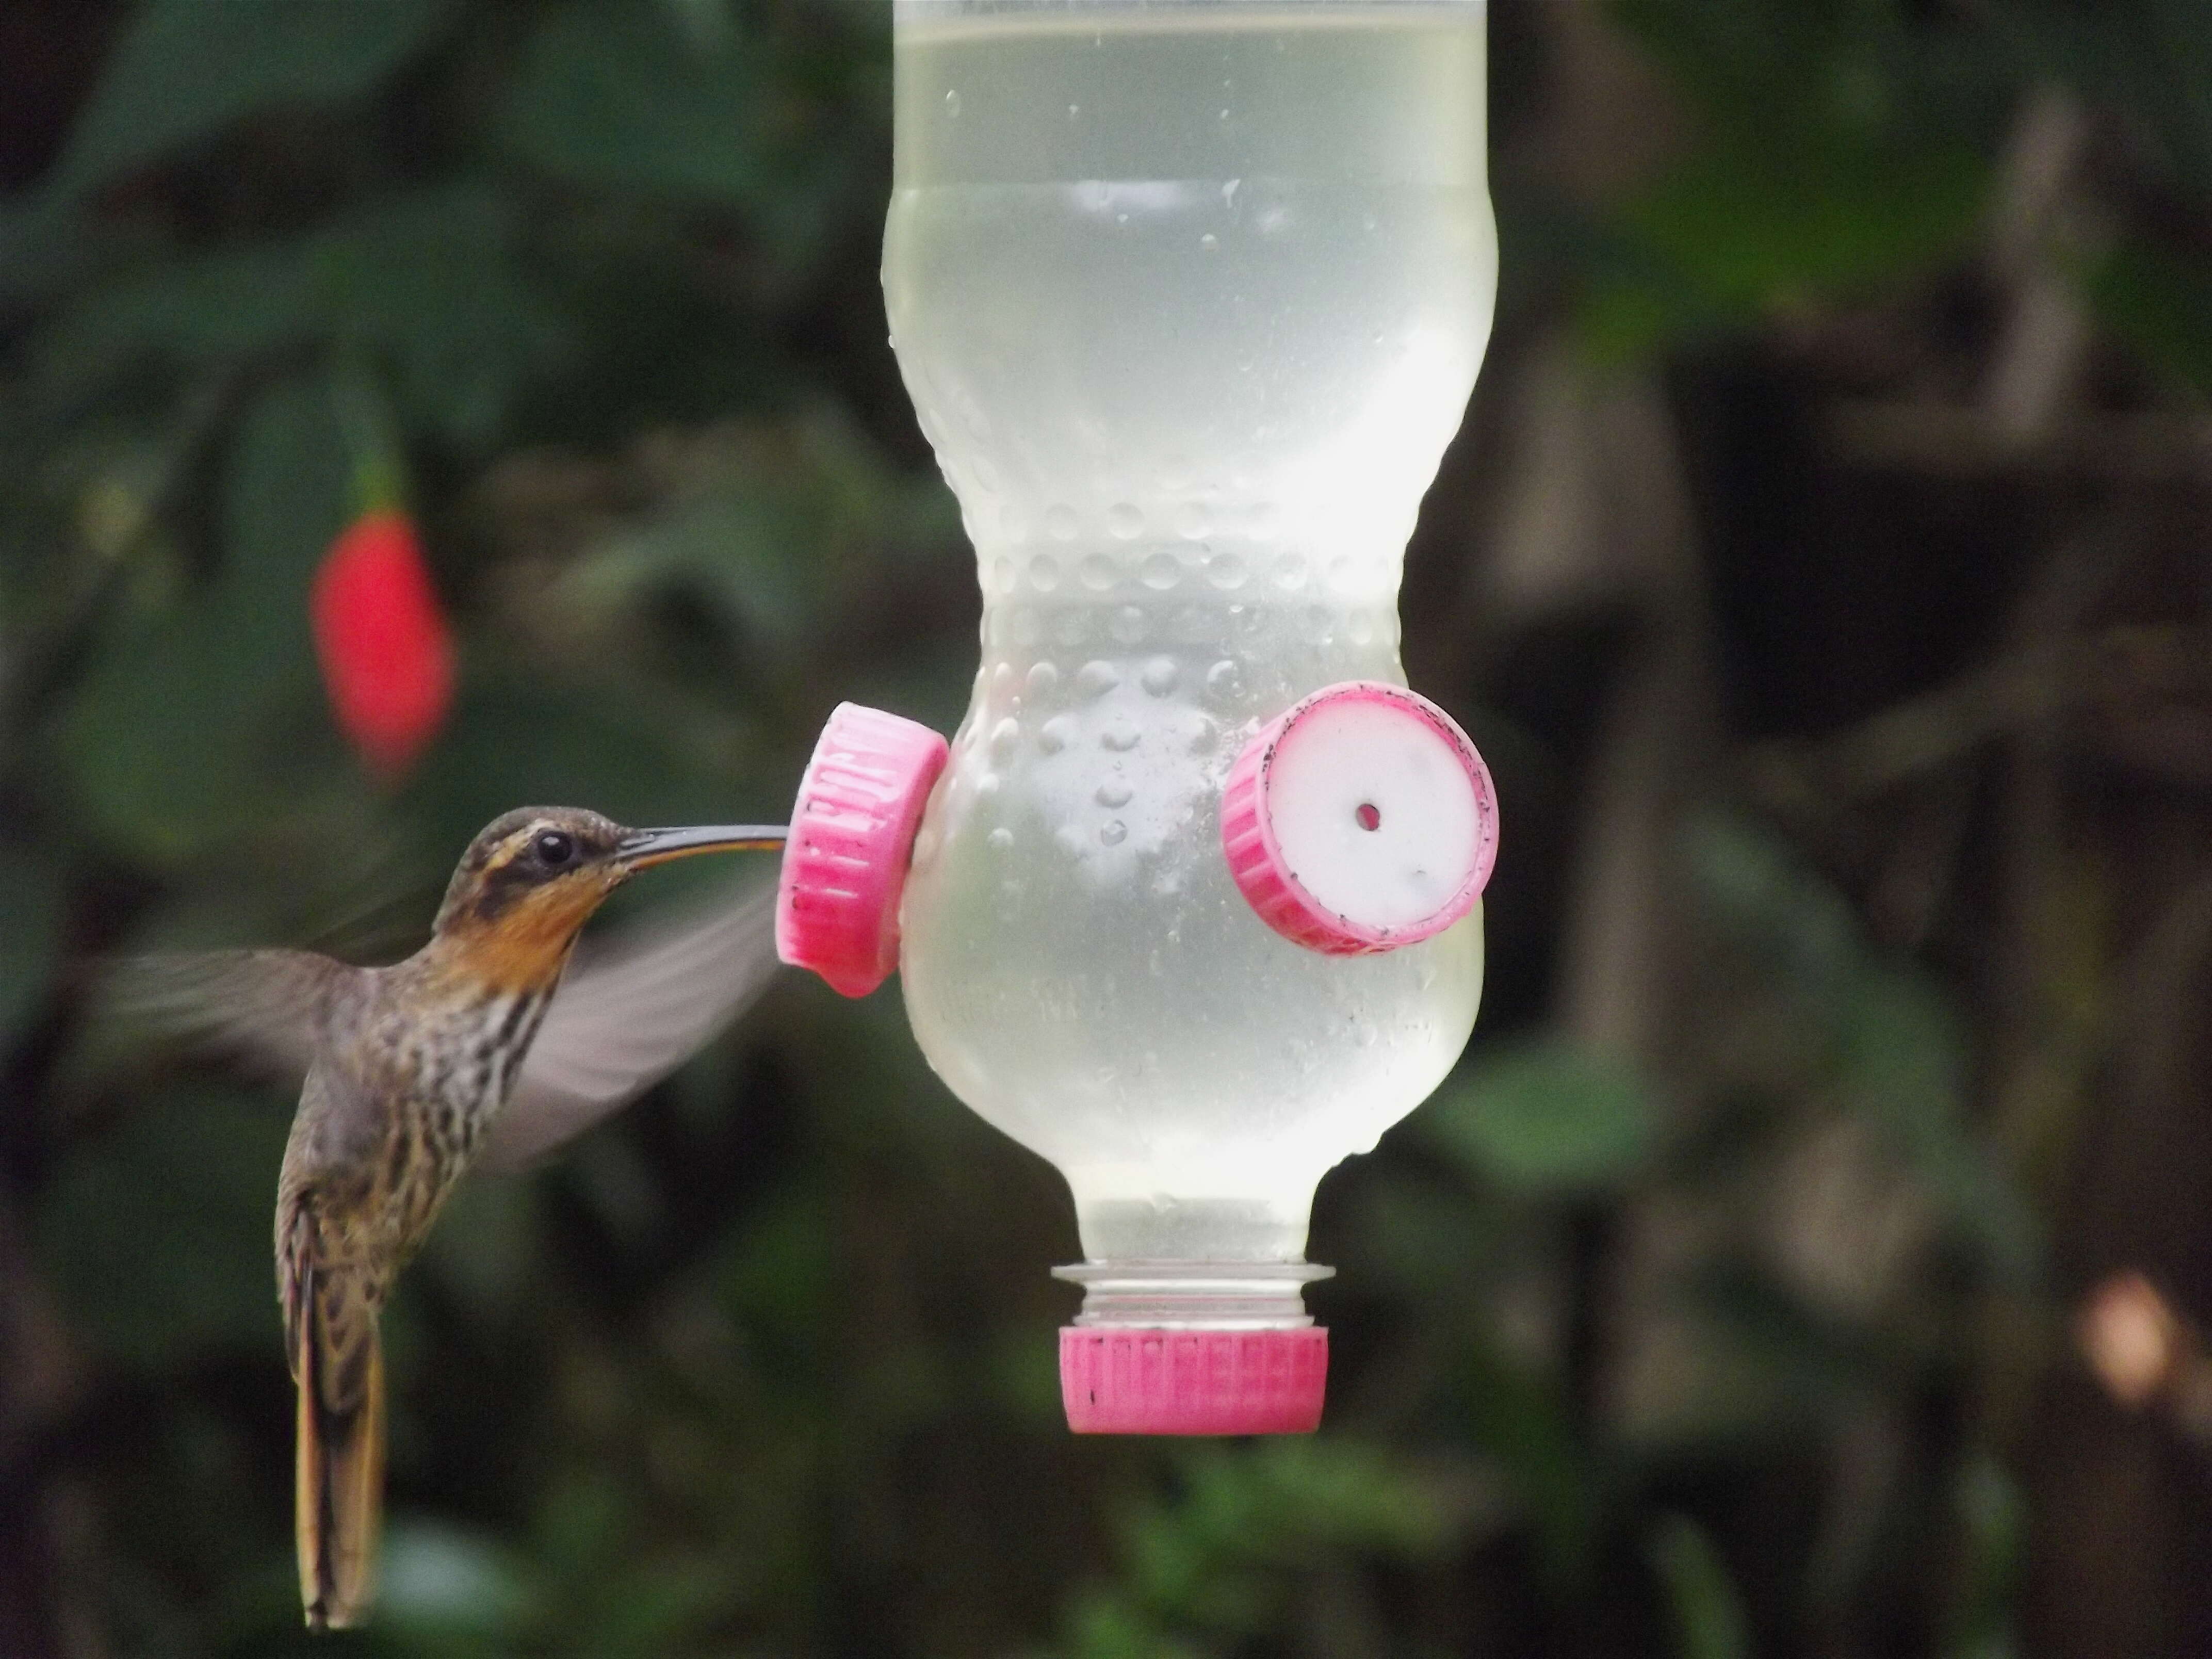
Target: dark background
1822	568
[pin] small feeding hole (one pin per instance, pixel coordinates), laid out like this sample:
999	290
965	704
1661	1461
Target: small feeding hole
1369	815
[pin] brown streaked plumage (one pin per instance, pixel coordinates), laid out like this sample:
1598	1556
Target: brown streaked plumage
486	1047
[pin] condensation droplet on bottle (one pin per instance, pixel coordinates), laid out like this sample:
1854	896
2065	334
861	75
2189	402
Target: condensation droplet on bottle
1125	521
1096	678
1055	735
1210	243
952	105
1120	737
1158	676
987	784
1002	682
1005	737
1361	629
1290	572
1113	792
1204	736
1041	679
1225	570
1098	572
1191	521
1000	839
1222	677
1114	832
1044	572
1160	572
1128	624
1061	522
1073	110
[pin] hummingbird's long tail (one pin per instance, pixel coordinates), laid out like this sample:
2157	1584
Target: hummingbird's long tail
339	1362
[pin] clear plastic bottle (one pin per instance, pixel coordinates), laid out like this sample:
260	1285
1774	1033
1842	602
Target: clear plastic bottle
1190	295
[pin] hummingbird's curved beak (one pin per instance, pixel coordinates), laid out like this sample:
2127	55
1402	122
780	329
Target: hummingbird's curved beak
642	848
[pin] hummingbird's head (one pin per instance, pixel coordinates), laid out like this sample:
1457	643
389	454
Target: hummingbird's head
532	878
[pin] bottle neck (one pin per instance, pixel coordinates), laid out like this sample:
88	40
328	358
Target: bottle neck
1209	1296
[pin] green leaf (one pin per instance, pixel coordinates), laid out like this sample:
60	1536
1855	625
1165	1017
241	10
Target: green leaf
611	93
1740	235
214	309
170	739
185	70
1798	925
434	283
1901	1058
1841	150
287	492
773	1278
1545	1119
428	284
1519	1416
155	1234
31	917
2163	306
1992	1514
1701	1592
639	99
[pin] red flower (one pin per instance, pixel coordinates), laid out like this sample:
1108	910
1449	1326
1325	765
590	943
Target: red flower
386	653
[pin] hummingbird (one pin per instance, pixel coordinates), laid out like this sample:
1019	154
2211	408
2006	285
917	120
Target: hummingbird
486	1048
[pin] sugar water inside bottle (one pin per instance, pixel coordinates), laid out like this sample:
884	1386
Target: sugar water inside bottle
1189	297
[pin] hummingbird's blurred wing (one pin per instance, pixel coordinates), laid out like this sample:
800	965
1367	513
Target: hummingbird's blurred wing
265	1007
628	1014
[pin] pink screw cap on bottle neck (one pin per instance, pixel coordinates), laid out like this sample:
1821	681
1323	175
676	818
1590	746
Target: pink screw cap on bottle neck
852	838
1361	819
1150	1380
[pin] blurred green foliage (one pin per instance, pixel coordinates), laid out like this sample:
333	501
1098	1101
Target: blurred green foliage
766	1367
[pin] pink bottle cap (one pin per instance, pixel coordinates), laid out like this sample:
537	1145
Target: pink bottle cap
1138	1380
1361	819
852	835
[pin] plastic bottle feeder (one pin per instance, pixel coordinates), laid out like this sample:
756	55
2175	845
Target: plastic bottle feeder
1189	295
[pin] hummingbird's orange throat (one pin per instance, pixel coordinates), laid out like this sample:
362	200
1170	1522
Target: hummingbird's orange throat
524	943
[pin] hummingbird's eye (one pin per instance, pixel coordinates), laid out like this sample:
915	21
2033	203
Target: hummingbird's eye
554	848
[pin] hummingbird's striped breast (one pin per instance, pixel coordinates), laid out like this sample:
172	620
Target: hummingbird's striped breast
465	1073
445	1064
